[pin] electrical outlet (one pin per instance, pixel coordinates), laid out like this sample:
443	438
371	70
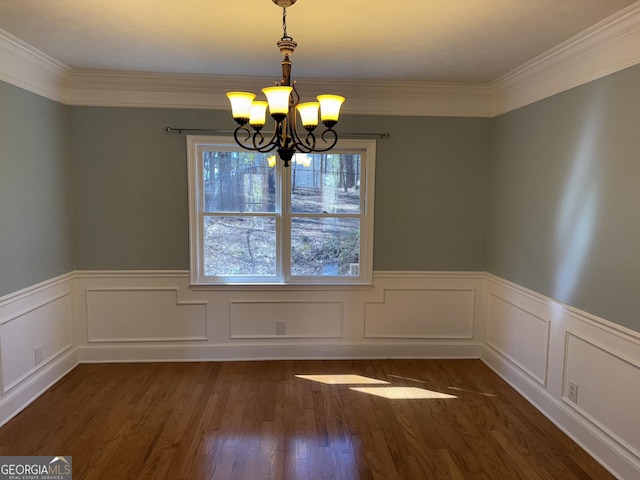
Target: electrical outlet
38	355
281	327
572	394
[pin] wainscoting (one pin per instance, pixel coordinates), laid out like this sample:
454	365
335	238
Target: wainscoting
581	371
151	316
541	347
37	342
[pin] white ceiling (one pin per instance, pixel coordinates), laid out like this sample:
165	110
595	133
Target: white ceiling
468	41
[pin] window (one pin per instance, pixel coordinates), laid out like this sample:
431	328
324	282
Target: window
253	221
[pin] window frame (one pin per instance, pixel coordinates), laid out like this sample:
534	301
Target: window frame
283	215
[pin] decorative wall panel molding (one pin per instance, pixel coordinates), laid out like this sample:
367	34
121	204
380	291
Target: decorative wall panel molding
33	337
519	335
138	309
143	314
421	313
290	319
600	396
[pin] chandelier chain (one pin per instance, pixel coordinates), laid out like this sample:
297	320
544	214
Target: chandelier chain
284	23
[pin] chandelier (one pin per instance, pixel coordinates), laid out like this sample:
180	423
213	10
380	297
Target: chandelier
283	102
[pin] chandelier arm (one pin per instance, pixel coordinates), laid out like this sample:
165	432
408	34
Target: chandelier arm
291	122
333	141
270	144
239	129
294	92
310	141
281	135
267	148
257	139
306	146
335	136
253	146
309	144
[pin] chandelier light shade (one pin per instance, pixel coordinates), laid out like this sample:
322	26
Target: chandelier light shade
241	104
308	113
283	104
258	114
330	108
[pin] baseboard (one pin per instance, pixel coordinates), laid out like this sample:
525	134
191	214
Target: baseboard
274	351
35	385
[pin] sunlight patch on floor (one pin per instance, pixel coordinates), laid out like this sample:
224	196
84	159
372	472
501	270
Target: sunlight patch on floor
343	379
402	393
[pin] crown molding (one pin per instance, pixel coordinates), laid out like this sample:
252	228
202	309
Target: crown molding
204	91
605	48
30	69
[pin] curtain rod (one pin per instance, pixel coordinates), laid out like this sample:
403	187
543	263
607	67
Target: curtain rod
230	132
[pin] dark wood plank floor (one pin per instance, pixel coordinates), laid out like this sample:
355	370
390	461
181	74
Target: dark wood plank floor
255	420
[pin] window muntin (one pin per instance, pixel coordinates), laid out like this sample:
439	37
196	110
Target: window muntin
254	222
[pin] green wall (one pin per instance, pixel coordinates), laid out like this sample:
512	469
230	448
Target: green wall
545	196
130	188
564	217
431	187
35	190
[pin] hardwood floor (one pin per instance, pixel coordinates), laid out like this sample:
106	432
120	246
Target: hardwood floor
255	420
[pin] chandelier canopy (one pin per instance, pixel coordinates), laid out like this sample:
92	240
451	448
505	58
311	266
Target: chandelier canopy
283	102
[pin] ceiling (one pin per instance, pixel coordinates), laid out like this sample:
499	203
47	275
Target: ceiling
435	41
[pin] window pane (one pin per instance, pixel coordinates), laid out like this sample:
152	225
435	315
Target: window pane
238	182
239	246
325	246
325	183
